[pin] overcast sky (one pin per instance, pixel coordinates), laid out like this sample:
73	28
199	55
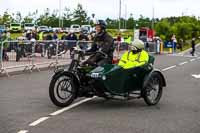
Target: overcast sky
109	8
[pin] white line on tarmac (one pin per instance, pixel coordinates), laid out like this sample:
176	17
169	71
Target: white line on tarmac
38	121
168	68
71	106
182	63
192	60
23	131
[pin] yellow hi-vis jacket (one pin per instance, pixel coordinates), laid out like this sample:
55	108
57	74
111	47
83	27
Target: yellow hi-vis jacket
130	60
41	36
128	40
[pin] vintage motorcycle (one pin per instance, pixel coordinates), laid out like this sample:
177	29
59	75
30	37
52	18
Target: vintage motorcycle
109	81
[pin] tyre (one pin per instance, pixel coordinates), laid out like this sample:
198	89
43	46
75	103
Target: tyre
62	90
153	90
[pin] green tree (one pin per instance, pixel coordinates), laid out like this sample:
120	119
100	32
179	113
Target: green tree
143	22
80	15
130	22
163	29
7	18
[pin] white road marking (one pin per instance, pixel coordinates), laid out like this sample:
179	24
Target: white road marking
192	60
196	76
71	106
182	63
38	121
23	131
168	68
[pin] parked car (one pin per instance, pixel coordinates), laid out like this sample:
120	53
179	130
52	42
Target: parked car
50	29
57	29
75	28
29	26
43	29
66	29
15	27
2	28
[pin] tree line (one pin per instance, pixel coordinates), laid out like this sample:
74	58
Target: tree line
184	27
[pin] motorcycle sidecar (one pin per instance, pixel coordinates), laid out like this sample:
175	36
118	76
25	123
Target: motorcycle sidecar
123	82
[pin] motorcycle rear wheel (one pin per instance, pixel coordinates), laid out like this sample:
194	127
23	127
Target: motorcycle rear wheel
153	90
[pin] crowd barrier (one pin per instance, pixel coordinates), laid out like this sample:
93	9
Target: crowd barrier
33	55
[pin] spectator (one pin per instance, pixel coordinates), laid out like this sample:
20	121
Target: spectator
55	36
28	35
119	38
158	41
72	36
82	38
8	35
174	42
90	37
49	36
181	44
72	39
193	46
41	36
1	35
64	36
5	46
33	34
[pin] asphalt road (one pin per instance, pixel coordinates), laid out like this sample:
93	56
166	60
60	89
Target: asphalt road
24	99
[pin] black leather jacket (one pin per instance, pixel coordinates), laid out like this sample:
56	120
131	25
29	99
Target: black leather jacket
102	42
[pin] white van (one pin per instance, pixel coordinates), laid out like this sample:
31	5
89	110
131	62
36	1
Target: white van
75	28
29	26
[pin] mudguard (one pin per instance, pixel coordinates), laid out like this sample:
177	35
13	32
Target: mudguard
147	77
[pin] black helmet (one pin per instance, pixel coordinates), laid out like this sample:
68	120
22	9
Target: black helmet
102	23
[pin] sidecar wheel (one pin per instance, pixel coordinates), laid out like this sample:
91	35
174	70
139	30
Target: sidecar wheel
62	90
153	90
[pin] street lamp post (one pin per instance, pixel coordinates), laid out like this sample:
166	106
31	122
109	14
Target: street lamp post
153	18
59	13
120	3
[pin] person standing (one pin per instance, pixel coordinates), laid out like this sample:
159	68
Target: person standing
55	36
72	40
193	46
174	41
181	44
158	41
83	41
119	40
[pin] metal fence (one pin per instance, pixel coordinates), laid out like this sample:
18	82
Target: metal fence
23	55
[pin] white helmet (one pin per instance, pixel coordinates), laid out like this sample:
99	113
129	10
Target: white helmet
138	44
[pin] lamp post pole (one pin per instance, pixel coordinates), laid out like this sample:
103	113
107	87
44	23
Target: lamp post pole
120	3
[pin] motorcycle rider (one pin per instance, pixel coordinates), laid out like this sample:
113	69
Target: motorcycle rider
135	57
103	47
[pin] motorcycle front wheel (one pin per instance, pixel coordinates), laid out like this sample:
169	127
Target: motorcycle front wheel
62	90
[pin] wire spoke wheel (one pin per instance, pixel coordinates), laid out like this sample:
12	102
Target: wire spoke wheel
62	90
153	89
